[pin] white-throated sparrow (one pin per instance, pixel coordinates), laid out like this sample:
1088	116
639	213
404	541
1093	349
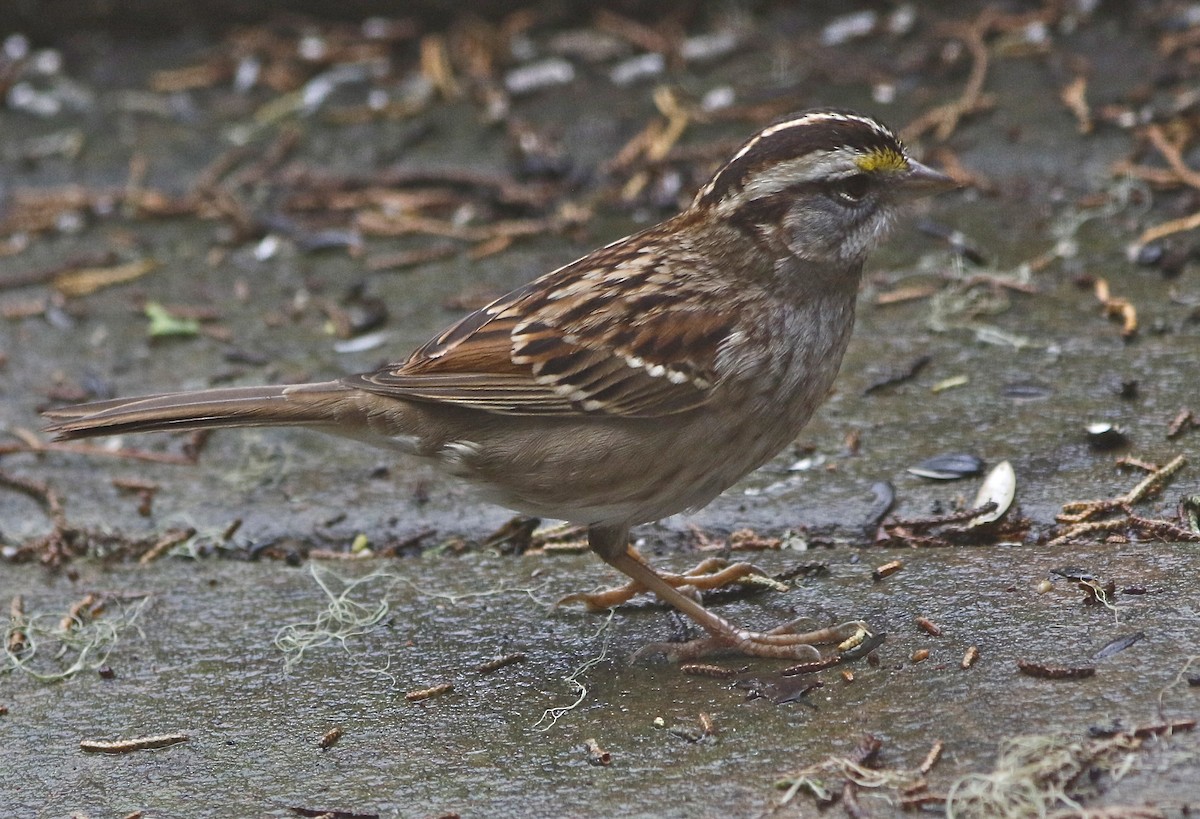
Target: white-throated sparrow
640	380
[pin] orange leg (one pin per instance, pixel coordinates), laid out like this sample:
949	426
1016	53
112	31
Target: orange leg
779	643
611	543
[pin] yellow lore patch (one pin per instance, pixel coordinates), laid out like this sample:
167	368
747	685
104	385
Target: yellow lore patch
885	159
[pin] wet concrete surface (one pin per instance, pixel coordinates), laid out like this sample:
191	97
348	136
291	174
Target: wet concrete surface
202	661
201	657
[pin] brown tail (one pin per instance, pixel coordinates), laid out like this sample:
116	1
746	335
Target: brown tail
317	404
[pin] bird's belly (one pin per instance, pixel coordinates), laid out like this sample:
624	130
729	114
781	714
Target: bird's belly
619	471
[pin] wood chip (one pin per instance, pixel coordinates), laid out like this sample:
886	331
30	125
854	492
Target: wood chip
970	657
1050	672
427	693
88	280
126	746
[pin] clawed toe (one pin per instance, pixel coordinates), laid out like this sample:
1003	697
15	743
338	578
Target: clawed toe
601	600
781	643
711	573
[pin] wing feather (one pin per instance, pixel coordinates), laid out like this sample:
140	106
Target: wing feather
612	334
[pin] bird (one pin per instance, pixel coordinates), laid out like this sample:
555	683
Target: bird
639	381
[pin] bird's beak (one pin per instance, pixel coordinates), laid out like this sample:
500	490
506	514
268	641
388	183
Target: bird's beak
921	180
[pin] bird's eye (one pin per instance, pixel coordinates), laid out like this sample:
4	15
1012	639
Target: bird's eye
852	189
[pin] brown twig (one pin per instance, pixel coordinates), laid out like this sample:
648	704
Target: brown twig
41	492
1074	96
164	544
1115	307
635	33
944	119
427	693
1152	234
17	640
1034	669
1081	516
1153	484
1173	155
1184	420
932	757
79	610
127	746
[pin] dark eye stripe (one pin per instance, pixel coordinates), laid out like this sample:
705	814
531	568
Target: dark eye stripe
767	210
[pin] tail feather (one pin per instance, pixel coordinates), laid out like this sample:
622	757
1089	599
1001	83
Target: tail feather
300	405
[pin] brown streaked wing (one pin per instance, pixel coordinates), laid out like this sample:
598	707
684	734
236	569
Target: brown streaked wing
622	347
479	326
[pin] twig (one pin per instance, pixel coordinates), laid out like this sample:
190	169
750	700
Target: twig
41	492
1115	307
17	640
127	746
164	544
1081	514
1152	234
943	120
1074	96
1172	155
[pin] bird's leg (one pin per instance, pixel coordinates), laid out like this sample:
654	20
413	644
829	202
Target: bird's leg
780	643
710	573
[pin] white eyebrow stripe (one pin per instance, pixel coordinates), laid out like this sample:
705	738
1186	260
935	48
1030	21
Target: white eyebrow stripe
803	169
822	166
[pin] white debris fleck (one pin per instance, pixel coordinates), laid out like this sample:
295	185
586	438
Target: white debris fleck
311	48
849	27
541	74
717	98
883	93
246	76
587	44
16	46
806	464
318	89
376	28
377	99
637	68
1036	33
362	344
47	61
267	247
902	20
70	221
24	97
712	46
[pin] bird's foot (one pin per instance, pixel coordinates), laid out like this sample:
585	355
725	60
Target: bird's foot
711	573
782	643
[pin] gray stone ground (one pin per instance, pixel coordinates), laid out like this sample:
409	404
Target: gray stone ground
201	656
